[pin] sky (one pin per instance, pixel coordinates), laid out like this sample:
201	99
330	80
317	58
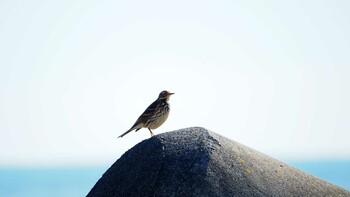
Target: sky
74	75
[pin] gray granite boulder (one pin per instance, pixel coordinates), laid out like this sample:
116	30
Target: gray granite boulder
198	162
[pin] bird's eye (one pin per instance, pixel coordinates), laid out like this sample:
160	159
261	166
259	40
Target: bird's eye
164	93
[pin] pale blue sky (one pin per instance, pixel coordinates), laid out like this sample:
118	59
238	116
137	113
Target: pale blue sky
74	75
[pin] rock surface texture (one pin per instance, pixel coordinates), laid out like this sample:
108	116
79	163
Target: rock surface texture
198	162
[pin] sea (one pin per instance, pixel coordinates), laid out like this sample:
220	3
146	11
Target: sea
77	181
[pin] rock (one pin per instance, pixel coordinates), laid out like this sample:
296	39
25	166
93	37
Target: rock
198	162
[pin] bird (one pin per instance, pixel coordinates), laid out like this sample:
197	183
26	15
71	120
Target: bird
154	116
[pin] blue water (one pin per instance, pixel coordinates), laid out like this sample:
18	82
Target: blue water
335	172
60	182
75	182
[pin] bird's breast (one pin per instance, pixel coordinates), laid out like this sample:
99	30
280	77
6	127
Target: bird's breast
159	116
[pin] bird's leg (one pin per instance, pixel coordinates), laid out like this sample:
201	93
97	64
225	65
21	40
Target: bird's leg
151	132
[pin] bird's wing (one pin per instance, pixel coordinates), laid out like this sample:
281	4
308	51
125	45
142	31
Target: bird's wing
149	112
144	117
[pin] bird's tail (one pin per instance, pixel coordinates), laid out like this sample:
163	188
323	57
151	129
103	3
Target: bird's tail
126	132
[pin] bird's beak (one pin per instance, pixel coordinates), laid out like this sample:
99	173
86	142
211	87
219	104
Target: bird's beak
171	93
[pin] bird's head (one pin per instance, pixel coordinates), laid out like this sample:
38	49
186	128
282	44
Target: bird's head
165	95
